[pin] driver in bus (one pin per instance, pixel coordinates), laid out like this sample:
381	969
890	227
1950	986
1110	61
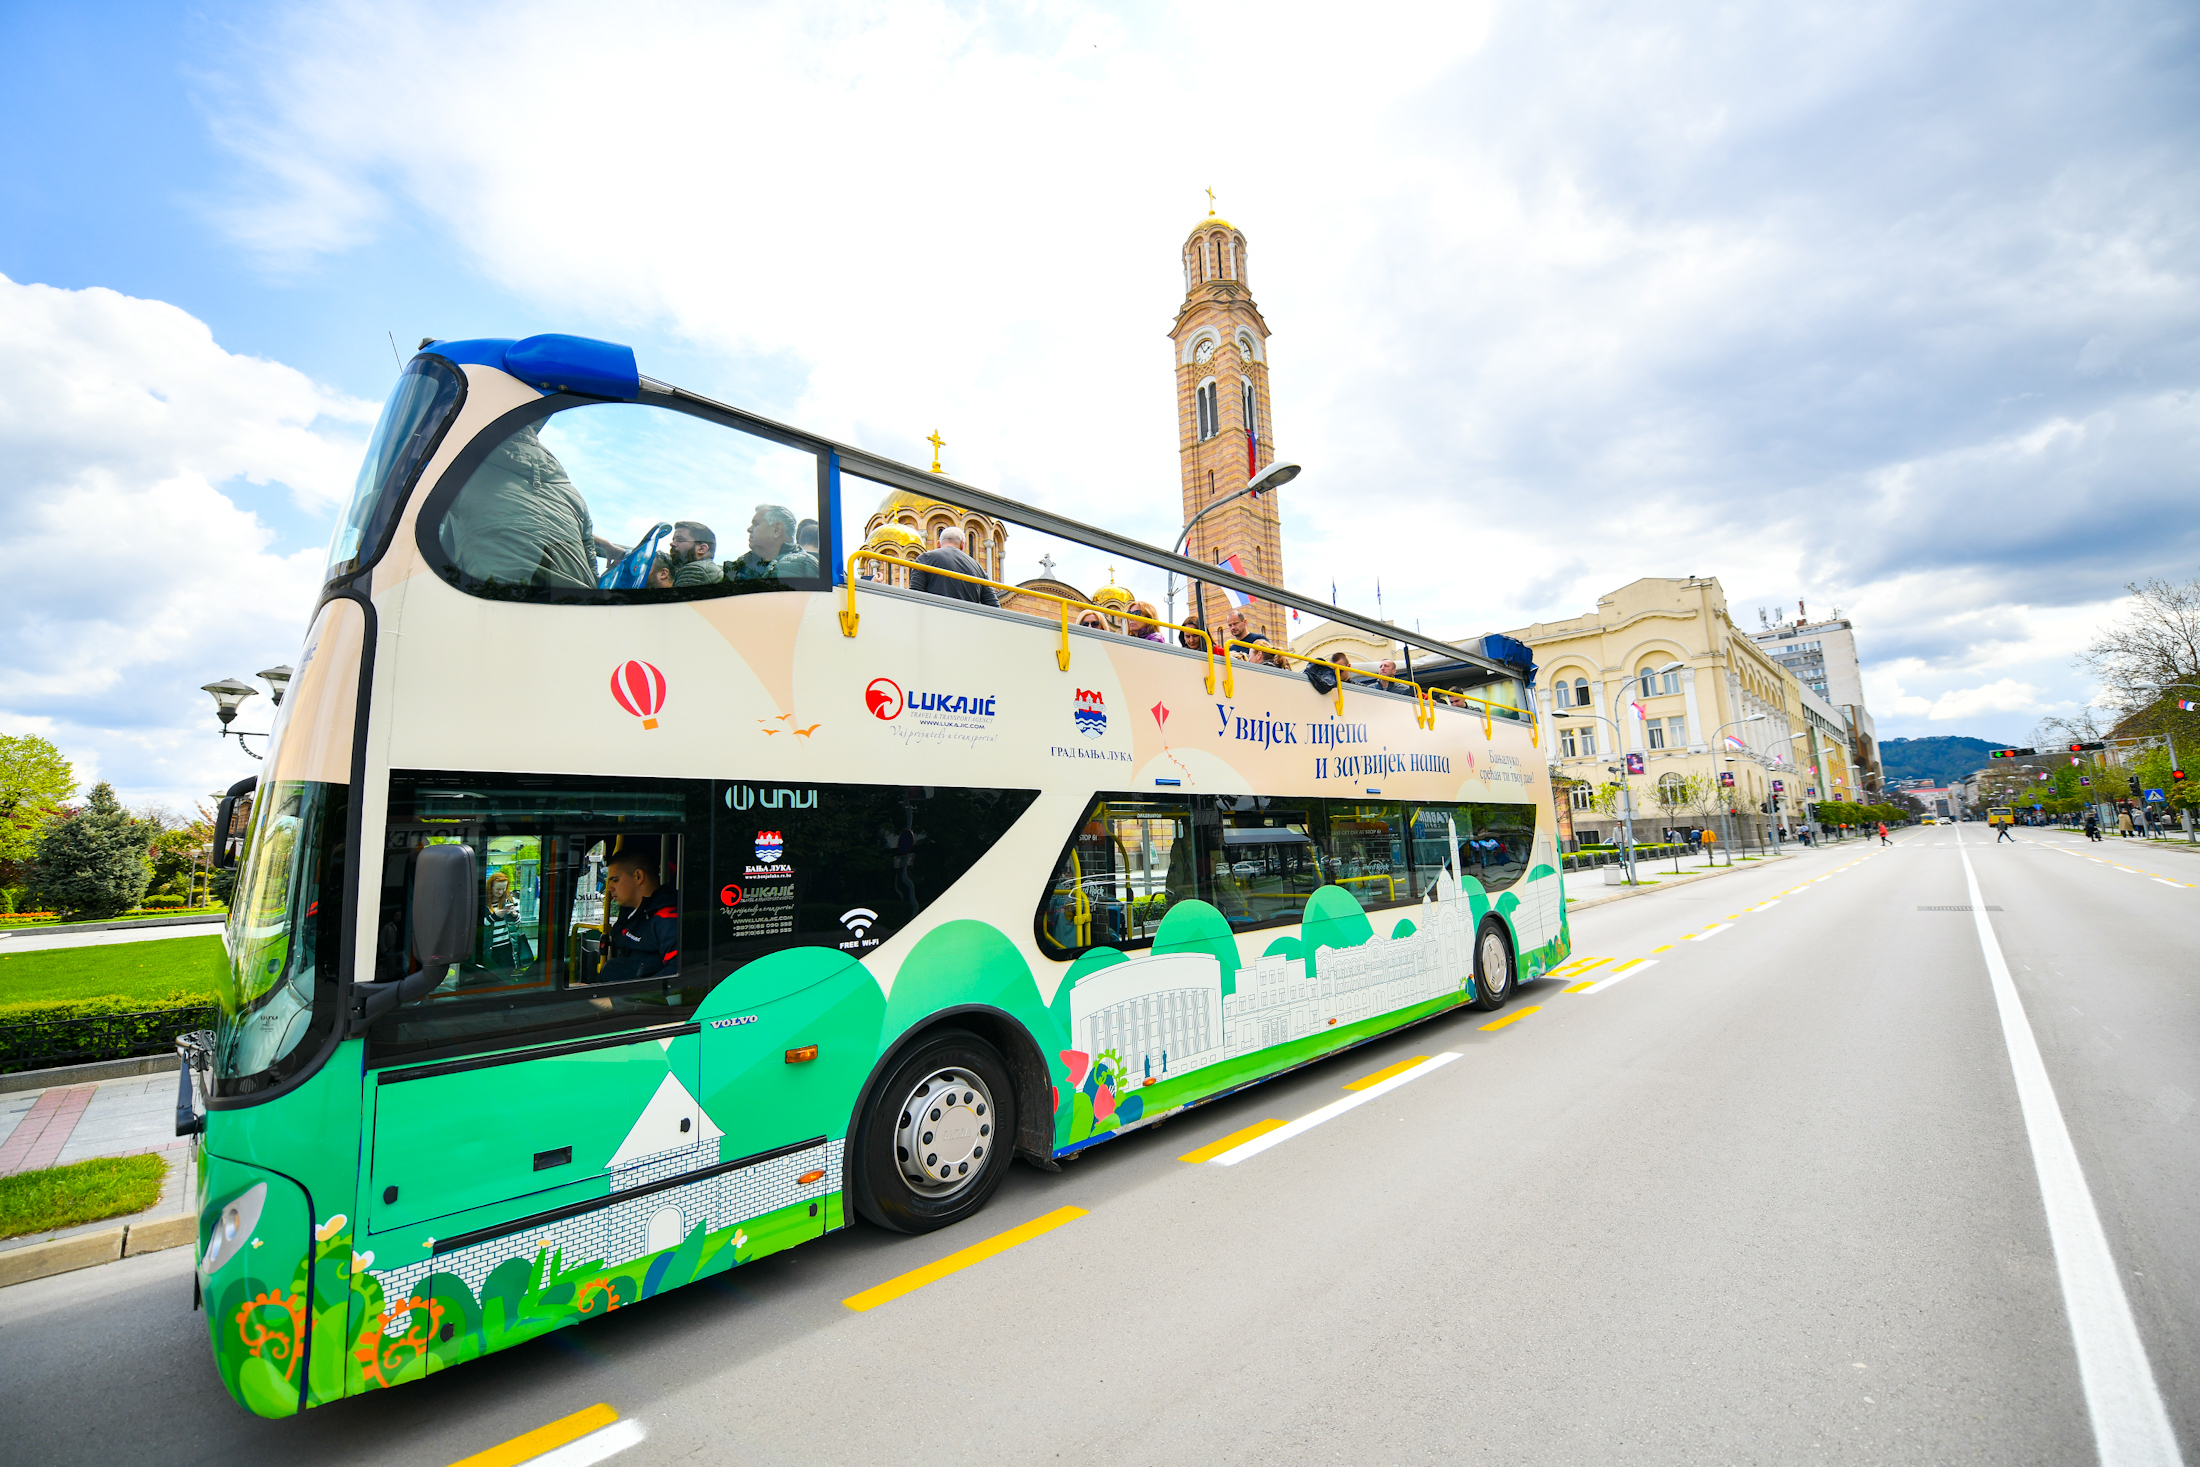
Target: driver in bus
773	553
645	941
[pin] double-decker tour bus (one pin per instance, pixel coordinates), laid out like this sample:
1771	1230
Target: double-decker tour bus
616	910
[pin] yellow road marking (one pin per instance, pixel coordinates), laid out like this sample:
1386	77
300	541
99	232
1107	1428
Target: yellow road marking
1510	1018
1578	987
917	1278
1214	1149
542	1439
1383	1074
1661	947
1580	965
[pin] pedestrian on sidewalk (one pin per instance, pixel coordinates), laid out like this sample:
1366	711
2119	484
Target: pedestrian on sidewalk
2123	824
1883	834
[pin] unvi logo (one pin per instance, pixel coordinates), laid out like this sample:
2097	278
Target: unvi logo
883	698
1092	713
769	846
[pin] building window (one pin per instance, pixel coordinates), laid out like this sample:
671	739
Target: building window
1566	740
1580	796
1657	733
1581	692
1588	743
1245	402
1653	685
1562	696
1209	418
1676	733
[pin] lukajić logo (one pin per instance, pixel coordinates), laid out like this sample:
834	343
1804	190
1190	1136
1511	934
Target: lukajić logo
1092	713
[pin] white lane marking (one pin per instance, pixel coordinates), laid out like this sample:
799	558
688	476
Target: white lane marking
592	1448
1712	931
2130	1425
2181	886
1328	1112
1620	975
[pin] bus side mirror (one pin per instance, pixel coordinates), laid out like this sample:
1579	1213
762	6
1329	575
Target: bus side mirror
225	850
446	914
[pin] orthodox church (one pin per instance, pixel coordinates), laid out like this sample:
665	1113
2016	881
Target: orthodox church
1219	344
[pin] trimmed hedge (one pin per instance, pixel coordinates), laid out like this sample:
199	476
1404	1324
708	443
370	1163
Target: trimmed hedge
37	1036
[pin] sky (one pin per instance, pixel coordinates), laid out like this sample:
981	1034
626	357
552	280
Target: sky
1889	308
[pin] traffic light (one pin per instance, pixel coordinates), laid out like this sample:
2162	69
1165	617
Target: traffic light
2082	748
2134	783
2177	776
2011	753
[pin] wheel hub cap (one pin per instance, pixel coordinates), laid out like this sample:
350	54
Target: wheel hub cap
944	1132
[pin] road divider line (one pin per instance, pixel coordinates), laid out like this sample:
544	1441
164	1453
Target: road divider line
1385	1073
953	1263
1329	1112
1580	987
2130	1424
1662	947
1579	966
1214	1149
1514	1017
527	1446
1712	931
2181	886
1621	974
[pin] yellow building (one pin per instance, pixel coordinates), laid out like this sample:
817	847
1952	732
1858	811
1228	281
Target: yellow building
1660	670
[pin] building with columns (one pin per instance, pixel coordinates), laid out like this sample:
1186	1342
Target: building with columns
1224	432
1729	708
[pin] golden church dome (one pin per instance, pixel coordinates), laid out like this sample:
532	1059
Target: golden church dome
1111	594
893	534
1213	221
909	499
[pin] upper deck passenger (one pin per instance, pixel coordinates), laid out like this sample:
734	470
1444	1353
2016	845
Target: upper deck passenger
520	521
949	555
772	553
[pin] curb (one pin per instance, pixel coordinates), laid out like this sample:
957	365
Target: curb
1666	883
87	1250
114	1069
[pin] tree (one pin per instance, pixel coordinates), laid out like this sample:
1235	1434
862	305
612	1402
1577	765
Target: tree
2157	642
93	864
34	781
176	848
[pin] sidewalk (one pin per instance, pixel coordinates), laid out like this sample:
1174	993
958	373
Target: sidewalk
1666	880
34	941
69	1123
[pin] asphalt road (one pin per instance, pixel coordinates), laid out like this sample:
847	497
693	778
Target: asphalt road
1767	1197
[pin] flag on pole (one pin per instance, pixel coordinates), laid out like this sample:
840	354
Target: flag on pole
1252	451
1231	562
2188	705
1639	713
1735	743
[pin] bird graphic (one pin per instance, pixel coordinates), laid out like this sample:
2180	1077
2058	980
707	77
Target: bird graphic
782	717
803	733
769	731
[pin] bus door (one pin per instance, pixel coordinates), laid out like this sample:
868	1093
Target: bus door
557	1063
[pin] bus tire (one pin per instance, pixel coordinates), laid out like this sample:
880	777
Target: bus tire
936	1138
1493	966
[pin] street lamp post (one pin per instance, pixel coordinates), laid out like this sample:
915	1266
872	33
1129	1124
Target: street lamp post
1627	790
230	692
1726	833
1275	476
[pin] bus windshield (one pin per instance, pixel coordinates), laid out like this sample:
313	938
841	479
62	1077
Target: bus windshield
281	937
411	424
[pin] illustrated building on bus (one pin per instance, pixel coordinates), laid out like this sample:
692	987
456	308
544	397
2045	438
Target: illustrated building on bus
1166	1014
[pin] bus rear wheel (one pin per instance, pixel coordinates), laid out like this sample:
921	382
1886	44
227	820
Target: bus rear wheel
937	1136
1493	966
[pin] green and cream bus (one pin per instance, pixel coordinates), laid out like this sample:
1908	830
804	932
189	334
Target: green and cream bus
616	910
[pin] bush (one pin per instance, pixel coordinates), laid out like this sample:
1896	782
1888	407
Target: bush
93	865
40	1035
163	903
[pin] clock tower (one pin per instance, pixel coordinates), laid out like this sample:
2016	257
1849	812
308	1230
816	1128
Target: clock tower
1223	428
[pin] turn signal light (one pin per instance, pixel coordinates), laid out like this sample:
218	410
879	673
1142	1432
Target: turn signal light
803	1055
808	1177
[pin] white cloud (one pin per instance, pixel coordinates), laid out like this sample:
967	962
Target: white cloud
131	577
1892	308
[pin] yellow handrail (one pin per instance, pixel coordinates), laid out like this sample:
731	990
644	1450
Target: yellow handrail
1424	698
849	619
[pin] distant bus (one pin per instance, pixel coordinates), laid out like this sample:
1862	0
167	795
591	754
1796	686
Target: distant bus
2000	815
611	916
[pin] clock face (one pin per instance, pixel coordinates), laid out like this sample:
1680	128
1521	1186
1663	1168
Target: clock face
1204	352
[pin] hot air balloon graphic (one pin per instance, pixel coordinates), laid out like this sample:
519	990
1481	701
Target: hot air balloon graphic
640	689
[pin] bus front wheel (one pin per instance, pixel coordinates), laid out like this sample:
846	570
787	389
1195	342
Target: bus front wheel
937	1136
1493	966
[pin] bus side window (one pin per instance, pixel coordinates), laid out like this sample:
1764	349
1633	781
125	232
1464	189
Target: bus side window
1130	858
1501	840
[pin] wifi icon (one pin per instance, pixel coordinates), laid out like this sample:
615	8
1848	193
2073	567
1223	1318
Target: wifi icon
858	919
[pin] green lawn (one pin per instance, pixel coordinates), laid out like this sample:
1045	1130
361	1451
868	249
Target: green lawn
63	1196
153	970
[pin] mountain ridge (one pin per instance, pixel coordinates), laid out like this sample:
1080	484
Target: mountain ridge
1942	758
